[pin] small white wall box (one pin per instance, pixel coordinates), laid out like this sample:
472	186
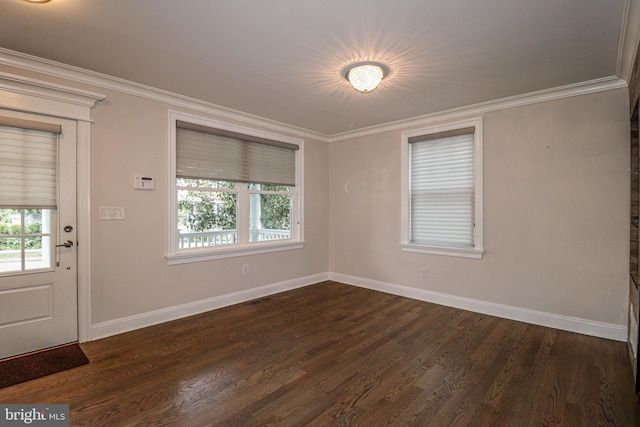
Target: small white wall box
144	183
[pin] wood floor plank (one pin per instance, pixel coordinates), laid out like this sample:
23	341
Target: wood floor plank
336	355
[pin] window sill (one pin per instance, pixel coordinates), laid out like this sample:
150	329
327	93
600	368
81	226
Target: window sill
198	255
437	250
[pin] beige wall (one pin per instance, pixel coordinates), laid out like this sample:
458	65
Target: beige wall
556	214
556	185
130	274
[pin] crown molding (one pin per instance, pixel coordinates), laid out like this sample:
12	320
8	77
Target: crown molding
599	85
629	39
56	69
43	97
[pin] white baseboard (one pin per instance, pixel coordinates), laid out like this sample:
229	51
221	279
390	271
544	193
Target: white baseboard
126	324
565	323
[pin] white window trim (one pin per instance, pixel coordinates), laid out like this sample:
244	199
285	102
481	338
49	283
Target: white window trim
406	244
211	253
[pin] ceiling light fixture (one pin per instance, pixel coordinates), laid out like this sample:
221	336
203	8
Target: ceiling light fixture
365	76
37	1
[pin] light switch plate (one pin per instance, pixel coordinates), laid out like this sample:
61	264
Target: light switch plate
112	213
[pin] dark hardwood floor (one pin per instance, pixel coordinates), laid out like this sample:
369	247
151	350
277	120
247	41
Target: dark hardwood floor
332	354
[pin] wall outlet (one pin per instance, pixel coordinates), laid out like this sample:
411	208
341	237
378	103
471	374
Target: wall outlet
424	273
245	269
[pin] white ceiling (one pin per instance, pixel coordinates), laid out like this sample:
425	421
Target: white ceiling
282	59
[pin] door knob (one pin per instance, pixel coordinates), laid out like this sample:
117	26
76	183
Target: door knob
66	244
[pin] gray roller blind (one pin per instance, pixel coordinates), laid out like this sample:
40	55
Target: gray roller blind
208	153
442	189
28	164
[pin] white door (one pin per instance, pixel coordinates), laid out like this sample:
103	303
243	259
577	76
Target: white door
38	255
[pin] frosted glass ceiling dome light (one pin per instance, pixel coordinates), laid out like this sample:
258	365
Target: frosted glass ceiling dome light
365	76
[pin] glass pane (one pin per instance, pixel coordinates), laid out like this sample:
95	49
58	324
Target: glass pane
46	221
33	221
12	249
37	253
206	218
10	222
10	254
269	217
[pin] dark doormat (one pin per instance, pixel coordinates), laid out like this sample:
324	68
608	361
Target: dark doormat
25	367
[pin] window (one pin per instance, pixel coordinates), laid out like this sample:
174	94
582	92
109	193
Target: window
235	191
25	236
442	189
28	193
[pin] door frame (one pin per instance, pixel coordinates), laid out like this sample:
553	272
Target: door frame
30	95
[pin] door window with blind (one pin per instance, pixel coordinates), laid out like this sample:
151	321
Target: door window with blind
236	191
442	189
28	194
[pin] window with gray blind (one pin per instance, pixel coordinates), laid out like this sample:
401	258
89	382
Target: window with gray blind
203	152
28	164
233	190
444	189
